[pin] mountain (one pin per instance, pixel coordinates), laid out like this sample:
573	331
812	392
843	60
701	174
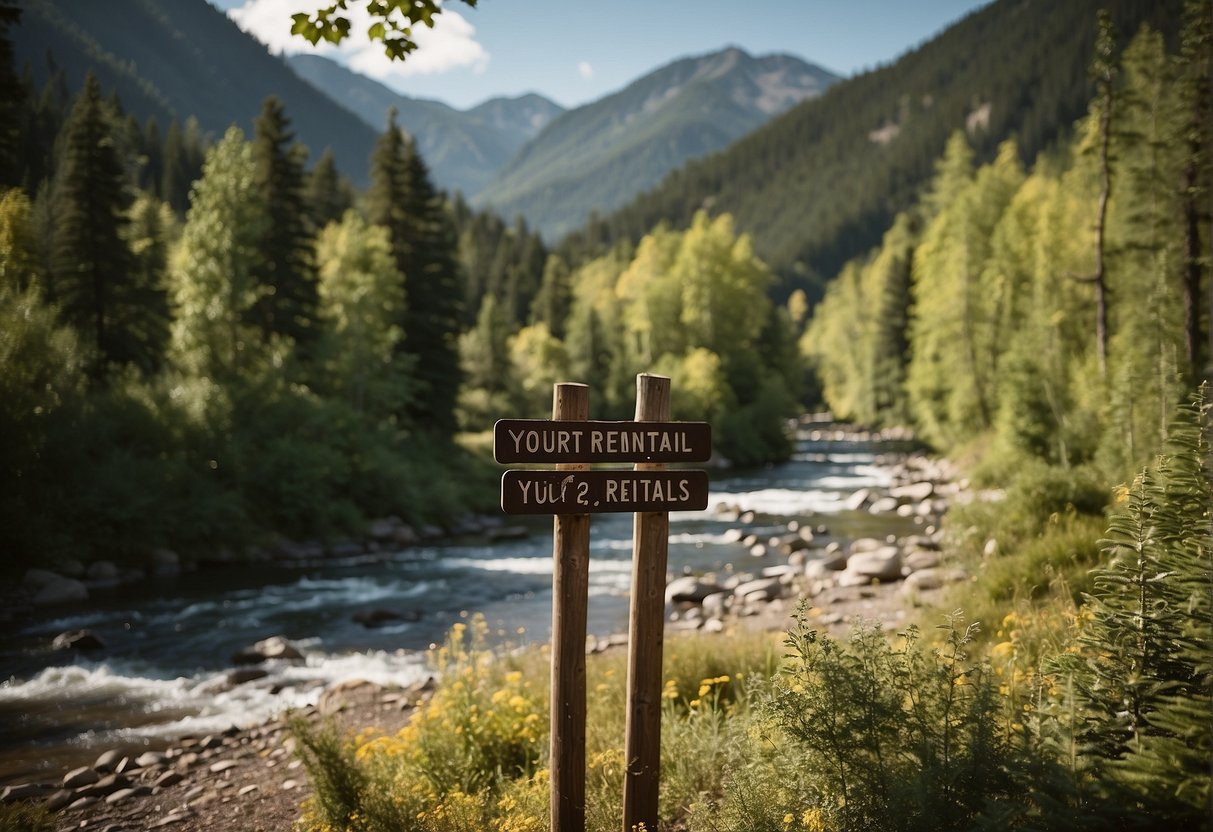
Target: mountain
819	185
596	157
463	149
180	58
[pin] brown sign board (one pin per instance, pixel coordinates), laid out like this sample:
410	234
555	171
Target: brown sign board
598	492
539	440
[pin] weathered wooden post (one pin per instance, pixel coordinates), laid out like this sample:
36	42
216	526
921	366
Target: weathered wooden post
572	493
646	630
570	596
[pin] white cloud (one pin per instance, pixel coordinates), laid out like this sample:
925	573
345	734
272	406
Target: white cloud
450	45
585	70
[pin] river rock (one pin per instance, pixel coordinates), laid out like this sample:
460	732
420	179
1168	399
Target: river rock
689	589
345	694
243	675
716	604
60	799
102	572
126	764
384	528
885	505
77	777
223	765
164	563
503	533
119	796
933	578
921	559
758	590
883	564
108	760
61	591
34	579
107	785
858	500
77	640
914	492
378	617
275	647
169	778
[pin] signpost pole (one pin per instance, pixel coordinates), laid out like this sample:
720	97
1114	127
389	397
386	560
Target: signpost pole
650	550
570	592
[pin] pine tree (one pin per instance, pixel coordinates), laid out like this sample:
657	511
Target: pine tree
554	299
402	200
93	281
287	306
327	196
173	185
1149	682
1196	110
1103	72
12	94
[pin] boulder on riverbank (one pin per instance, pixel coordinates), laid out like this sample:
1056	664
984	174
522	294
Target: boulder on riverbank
275	647
84	640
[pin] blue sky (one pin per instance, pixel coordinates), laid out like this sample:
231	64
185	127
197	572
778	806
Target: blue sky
575	51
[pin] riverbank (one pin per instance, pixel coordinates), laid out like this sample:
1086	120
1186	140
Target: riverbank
778	551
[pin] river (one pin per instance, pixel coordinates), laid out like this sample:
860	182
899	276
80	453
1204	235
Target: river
169	642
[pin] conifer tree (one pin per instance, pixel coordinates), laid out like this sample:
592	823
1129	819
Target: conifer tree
1196	110
327	196
1103	72
117	316
287	306
1149	682
554	299
402	200
12	93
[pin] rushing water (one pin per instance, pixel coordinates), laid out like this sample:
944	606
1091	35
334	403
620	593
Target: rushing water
169	643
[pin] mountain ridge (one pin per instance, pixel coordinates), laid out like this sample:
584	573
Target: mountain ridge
819	184
462	148
593	157
159	57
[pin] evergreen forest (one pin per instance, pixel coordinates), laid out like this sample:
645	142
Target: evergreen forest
215	341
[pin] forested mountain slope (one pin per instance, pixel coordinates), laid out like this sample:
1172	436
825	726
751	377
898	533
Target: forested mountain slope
183	58
596	157
821	184
462	148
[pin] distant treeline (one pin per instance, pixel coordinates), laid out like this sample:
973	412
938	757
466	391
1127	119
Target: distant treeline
820	185
1060	313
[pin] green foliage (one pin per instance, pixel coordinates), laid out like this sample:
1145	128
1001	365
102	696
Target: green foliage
402	200
392	23
1148	672
217	268
286	306
475	755
890	738
121	320
26	817
869	142
11	94
361	305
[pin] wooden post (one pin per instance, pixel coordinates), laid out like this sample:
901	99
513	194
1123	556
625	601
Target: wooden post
646	627
570	593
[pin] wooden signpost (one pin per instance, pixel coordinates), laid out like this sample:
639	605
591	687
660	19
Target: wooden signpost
572	493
